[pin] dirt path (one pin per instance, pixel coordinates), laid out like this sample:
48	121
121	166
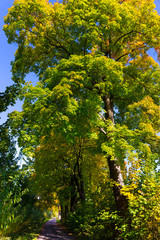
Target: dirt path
52	231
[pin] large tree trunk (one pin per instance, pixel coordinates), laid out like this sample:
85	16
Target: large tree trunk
114	168
116	175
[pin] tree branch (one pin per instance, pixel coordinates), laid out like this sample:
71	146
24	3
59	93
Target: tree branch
123	36
56	46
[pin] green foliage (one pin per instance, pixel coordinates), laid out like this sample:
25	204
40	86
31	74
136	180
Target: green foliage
20	214
90	221
91	123
9	96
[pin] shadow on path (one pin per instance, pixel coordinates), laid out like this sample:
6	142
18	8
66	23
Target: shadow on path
51	231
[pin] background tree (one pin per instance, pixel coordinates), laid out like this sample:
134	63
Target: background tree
19	212
73	172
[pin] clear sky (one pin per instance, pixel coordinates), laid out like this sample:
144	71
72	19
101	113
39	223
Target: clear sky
7	55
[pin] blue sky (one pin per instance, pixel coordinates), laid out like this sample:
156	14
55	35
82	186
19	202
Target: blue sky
7	55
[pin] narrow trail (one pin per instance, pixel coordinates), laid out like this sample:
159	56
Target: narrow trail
51	231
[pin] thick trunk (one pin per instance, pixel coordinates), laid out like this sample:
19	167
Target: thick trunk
116	175
108	106
114	168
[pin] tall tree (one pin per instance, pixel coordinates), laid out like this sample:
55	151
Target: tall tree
92	61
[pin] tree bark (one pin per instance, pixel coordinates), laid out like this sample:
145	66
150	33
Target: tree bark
116	175
114	168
